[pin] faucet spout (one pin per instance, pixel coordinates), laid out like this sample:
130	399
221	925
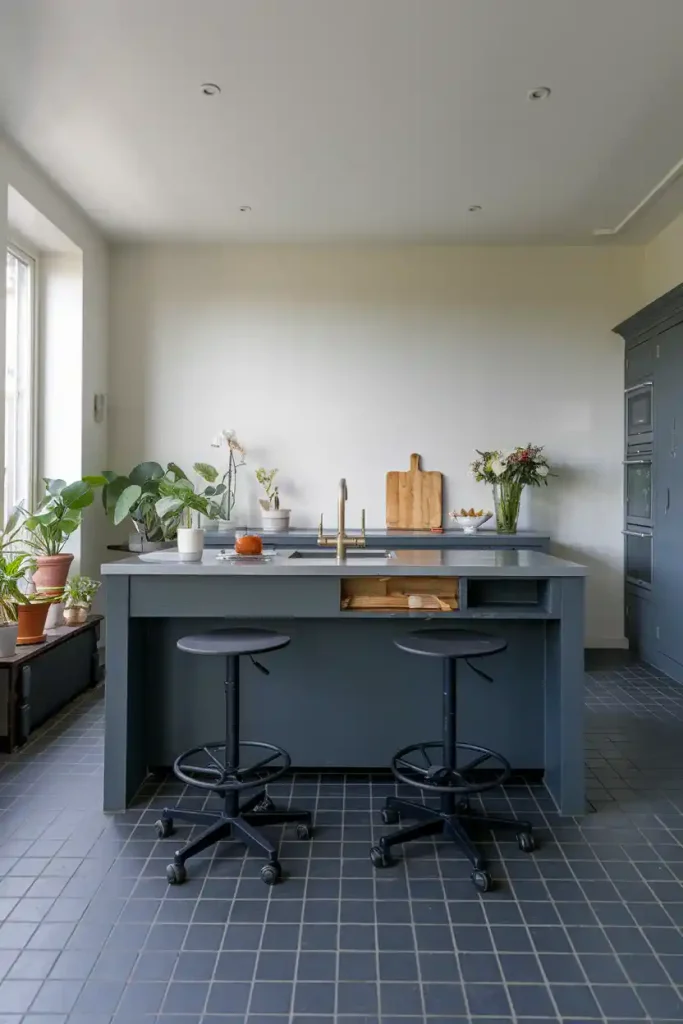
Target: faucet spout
341	541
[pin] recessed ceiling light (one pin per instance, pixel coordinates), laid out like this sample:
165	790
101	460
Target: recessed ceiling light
474	209
210	89
540	93
245	209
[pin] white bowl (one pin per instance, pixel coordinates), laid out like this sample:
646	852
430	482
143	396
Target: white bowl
470	524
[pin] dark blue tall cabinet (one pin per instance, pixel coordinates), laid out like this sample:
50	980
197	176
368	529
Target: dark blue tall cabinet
653	482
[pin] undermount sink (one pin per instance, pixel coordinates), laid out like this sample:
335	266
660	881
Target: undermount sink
351	553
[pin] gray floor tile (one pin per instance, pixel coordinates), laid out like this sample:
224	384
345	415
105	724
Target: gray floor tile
90	933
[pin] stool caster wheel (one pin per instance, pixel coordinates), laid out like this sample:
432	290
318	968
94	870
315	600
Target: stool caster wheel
389	816
266	804
164	827
526	842
481	880
303	831
271	873
380	858
176	873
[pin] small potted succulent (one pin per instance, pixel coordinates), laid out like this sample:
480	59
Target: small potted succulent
275	519
78	597
58	515
180	499
13	572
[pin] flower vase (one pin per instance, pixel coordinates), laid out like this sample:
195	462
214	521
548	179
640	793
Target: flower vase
507	496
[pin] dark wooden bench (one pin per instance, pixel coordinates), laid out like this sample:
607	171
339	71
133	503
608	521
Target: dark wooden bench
41	678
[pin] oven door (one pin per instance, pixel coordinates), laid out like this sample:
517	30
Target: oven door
638	490
639	414
638	557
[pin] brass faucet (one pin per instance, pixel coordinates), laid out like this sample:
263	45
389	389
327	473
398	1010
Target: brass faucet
341	541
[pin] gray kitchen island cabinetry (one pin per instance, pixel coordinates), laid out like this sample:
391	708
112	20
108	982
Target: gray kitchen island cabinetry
342	695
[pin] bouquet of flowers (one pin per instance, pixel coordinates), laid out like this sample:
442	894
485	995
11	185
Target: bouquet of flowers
510	472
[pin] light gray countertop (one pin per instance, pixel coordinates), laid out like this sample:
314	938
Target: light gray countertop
467	563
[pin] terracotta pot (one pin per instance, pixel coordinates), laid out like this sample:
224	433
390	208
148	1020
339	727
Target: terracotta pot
32	622
52	571
76	616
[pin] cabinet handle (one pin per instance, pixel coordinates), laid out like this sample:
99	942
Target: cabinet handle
668	500
634	533
636	462
637	387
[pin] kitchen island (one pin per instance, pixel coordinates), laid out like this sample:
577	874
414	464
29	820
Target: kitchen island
341	695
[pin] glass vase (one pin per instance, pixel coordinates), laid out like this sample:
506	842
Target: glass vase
507	497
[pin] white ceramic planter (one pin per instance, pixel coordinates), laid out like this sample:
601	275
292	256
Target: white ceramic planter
275	520
8	639
190	543
55	616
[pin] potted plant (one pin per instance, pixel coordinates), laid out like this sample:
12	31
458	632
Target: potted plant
180	500
236	459
13	570
31	618
58	515
510	473
134	496
78	596
275	519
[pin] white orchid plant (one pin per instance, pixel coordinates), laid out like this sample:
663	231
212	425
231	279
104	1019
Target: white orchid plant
223	486
526	466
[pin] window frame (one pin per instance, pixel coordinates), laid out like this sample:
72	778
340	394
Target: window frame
21	249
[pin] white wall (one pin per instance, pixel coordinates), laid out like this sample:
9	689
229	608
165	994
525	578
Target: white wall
663	261
340	361
19	172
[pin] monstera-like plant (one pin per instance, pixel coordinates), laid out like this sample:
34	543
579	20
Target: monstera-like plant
134	496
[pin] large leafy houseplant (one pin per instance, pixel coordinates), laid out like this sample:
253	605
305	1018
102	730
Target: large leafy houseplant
134	496
58	515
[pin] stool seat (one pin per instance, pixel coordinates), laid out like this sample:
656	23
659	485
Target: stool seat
227	642
451	643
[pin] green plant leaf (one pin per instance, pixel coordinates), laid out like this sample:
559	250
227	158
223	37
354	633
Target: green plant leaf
206	471
145	471
126	502
178	473
113	491
168	505
69	526
220	489
96	481
77	495
54	486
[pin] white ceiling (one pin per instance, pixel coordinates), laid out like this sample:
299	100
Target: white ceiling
351	119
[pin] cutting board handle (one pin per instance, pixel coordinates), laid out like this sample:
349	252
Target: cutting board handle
414	462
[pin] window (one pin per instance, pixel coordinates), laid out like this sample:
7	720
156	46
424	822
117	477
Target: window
19	379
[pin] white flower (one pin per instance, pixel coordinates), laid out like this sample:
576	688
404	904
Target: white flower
542	470
497	467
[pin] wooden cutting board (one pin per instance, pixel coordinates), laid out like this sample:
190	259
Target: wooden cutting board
414	498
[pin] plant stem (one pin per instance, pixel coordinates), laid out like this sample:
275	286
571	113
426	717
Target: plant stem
507	497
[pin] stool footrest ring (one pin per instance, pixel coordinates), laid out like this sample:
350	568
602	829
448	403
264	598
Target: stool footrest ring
218	778
434	777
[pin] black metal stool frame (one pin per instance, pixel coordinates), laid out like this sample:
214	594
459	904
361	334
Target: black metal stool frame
236	820
454	813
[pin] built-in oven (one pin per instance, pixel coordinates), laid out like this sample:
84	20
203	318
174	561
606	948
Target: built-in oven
638	489
639	414
638	556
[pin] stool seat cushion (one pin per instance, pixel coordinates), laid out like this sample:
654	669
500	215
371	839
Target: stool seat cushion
233	641
450	643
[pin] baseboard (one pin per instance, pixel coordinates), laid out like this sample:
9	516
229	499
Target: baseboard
611	643
602	658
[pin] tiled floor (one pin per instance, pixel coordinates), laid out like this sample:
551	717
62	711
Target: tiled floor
586	929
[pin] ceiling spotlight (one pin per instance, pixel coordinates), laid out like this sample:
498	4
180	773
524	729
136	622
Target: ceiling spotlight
245	209
474	209
210	89
541	93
